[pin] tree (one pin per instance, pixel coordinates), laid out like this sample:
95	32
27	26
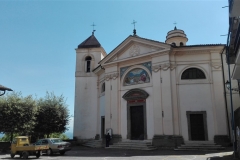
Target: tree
7	137
59	135
17	114
52	116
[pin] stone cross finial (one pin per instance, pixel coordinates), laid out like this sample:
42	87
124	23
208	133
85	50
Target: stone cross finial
134	30
93	28
175	23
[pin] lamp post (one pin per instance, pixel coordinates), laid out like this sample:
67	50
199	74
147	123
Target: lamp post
4	89
229	87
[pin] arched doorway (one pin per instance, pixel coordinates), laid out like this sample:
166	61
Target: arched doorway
136	114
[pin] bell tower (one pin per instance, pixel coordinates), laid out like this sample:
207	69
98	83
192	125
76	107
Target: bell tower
176	37
88	54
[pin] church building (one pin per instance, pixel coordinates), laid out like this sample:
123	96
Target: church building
150	90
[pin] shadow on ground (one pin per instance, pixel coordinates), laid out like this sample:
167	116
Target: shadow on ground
81	151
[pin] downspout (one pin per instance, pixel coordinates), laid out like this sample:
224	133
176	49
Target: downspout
225	93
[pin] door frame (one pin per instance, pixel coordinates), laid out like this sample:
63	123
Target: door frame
143	104
102	126
204	113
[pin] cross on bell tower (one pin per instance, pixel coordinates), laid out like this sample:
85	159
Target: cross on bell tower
175	23
93	28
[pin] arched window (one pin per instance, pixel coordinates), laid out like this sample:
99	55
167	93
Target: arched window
103	88
181	43
193	73
173	44
88	63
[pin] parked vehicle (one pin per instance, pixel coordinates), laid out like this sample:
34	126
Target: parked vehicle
21	146
56	145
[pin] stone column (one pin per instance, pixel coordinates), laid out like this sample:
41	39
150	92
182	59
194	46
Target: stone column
157	105
166	90
112	117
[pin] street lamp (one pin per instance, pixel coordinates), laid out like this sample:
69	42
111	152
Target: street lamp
4	89
229	87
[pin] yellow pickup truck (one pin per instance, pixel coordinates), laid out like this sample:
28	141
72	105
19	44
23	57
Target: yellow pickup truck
21	146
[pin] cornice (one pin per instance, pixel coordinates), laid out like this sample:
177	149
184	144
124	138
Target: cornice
216	65
109	76
164	67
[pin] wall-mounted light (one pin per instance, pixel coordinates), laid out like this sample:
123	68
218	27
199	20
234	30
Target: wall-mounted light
228	87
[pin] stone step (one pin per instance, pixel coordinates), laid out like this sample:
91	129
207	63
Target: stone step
199	142
139	144
203	146
199	145
203	149
132	147
136	143
131	144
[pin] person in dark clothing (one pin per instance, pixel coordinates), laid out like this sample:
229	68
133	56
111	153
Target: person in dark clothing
108	138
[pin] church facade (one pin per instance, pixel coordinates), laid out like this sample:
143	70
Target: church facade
150	90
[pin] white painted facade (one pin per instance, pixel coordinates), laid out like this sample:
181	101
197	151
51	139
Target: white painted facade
170	97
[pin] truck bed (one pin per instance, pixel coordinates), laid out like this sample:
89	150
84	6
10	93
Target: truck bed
32	148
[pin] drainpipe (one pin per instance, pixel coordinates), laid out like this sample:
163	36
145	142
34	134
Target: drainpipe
225	93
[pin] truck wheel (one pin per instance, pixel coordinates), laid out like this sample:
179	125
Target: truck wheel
25	155
62	152
49	152
12	155
39	154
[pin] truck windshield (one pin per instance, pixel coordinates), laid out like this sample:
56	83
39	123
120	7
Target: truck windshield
56	140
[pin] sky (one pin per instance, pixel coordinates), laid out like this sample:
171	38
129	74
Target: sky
38	38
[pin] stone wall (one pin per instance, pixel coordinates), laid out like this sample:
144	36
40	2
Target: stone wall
5	146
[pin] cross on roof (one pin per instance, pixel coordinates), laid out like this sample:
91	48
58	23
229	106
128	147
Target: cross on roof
93	25
175	23
134	23
93	28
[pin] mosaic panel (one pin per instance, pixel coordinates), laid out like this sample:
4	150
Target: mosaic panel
136	76
148	65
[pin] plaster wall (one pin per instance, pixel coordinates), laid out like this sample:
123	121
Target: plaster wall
86	102
195	56
81	54
196	97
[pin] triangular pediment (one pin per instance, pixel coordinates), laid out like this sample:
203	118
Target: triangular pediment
135	47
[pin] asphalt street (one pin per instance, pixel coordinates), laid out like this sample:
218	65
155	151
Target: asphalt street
85	153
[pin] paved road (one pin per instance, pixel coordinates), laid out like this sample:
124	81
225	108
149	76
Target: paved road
84	153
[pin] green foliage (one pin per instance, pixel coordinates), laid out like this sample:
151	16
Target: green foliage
59	135
35	117
17	113
52	115
7	137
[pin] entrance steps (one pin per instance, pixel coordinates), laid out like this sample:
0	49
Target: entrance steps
133	144
199	145
93	143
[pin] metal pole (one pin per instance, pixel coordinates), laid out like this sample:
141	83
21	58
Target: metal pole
231	102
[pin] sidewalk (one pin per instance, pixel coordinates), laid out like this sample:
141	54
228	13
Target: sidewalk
102	152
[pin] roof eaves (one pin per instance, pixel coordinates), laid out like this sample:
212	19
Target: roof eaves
134	37
199	45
